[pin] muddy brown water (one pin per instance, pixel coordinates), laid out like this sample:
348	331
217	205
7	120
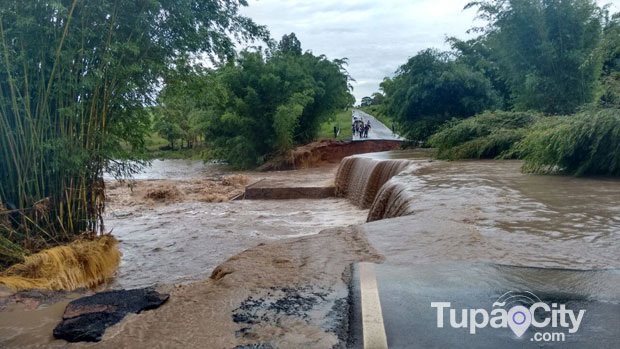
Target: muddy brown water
179	242
184	242
441	212
424	212
489	211
176	169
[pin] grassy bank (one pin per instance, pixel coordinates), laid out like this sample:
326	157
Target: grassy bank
159	148
82	263
343	120
587	143
485	136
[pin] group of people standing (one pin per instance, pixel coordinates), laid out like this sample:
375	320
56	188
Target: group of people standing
360	128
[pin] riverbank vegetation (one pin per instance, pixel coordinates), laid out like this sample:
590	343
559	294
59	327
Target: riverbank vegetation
541	83
80	264
341	120
76	78
486	136
254	107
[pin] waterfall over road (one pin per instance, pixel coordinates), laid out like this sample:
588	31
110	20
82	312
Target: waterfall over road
360	178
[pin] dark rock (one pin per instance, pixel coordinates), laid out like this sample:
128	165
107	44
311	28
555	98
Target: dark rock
88	327
86	319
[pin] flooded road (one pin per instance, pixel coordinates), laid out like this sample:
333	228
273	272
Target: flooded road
450	229
170	233
471	211
184	242
406	294
487	211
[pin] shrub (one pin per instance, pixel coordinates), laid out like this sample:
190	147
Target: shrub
584	144
485	136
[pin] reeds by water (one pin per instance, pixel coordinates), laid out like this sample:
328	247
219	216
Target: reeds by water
79	264
53	104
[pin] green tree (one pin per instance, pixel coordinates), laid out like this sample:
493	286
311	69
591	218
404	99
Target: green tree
477	54
366	101
544	50
290	45
269	102
609	51
432	88
166	124
377	98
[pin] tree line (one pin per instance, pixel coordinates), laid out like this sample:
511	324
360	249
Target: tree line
256	106
556	61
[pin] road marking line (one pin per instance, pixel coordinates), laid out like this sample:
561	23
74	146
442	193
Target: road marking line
372	317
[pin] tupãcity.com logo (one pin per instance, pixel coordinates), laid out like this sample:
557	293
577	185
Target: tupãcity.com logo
517	311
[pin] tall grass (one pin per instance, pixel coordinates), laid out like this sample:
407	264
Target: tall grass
485	136
79	264
587	143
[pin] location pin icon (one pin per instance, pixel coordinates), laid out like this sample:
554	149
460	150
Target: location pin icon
519	319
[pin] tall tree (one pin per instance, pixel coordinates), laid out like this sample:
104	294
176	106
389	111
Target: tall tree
271	101
544	49
609	51
290	44
432	88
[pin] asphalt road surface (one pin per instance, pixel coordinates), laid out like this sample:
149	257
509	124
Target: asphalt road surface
378	131
409	321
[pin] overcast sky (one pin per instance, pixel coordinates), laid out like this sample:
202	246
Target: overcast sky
376	36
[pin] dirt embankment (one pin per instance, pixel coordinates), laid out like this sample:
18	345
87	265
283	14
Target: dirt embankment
291	293
325	152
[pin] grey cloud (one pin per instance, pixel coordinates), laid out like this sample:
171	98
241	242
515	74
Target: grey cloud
376	36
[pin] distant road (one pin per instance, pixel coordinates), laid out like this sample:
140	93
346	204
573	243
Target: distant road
378	131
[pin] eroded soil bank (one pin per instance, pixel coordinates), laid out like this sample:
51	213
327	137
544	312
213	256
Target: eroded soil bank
325	152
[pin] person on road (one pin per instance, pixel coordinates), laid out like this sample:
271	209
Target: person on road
366	128
393	132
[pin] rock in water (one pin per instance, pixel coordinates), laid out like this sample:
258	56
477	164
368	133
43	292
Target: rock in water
89	327
86	319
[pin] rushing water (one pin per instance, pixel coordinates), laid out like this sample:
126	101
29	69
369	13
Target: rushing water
183	241
462	231
176	169
489	211
434	222
360	178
